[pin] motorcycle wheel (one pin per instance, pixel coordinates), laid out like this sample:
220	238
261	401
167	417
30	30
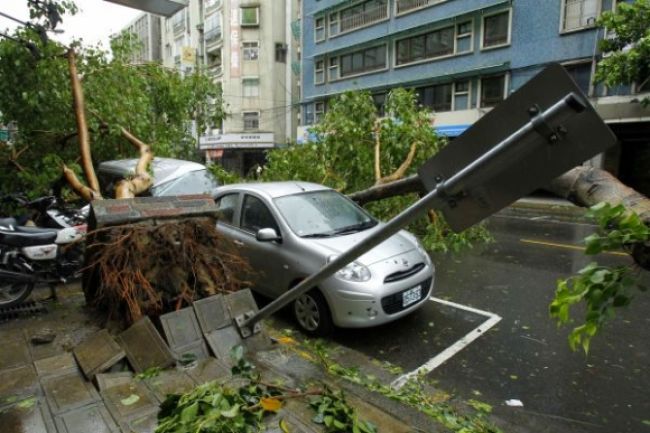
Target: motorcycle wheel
14	293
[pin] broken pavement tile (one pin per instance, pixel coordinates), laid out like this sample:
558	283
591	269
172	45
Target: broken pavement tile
97	353
144	347
196	350
92	418
29	415
222	341
241	302
181	327
211	313
43	336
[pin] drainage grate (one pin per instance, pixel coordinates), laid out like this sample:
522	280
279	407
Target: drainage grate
21	310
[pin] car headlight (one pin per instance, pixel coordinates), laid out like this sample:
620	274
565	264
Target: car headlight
354	271
421	249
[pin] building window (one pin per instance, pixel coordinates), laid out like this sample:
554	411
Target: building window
334	24
370	59
319	72
211	4
461	95
496	30
407	5
251	50
309	114
427	46
319	29
319	111
379	99
577	14
250	16
333	69
251	87
280	52
492	90
359	15
437	98
251	120
464	33
213	27
581	74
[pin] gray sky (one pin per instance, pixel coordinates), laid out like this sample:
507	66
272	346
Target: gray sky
95	21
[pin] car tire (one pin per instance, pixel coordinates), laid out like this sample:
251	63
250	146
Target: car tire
313	314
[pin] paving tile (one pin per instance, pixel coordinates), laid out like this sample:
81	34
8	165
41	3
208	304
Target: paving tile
207	370
212	313
40	351
222	341
14	353
143	424
18	381
241	302
181	328
92	418
294	423
27	416
57	364
196	349
130	400
97	353
144	347
169	382
68	391
109	380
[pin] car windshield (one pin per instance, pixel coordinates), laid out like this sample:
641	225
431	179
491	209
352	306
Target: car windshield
194	182
323	214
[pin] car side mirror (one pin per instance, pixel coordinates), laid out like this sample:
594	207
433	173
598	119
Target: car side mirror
268	235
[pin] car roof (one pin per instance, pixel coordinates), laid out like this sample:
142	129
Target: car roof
164	169
274	189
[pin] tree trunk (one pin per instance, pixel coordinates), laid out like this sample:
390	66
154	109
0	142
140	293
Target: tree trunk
82	129
142	181
584	186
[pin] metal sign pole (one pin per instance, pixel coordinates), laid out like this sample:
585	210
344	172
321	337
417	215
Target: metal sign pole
544	128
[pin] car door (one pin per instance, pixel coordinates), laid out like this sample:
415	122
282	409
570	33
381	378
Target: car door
269	259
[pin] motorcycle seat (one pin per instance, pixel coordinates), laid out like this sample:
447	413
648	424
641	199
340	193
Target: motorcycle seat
34	229
8	222
17	239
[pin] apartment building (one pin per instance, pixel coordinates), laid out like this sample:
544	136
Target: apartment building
463	57
251	48
146	28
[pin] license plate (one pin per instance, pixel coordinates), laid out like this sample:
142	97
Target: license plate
411	296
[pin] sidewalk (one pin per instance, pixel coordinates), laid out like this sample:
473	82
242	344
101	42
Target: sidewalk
44	390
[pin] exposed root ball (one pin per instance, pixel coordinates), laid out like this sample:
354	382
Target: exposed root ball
149	269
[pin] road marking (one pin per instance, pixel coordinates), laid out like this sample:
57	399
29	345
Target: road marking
436	361
567	246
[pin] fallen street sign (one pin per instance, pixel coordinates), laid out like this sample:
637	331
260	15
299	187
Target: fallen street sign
532	163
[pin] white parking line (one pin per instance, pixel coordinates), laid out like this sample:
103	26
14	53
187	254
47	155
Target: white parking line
436	361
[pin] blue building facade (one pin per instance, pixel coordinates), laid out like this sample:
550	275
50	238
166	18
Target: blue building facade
462	56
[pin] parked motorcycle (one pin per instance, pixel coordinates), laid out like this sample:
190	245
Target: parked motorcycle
49	211
30	256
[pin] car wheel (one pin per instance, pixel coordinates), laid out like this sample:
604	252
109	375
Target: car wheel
313	314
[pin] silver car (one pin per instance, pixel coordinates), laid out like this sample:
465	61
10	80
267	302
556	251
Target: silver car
289	230
170	176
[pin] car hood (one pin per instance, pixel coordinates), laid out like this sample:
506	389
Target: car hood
395	245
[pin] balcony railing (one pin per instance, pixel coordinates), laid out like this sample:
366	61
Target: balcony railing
407	5
211	5
215	71
363	18
213	35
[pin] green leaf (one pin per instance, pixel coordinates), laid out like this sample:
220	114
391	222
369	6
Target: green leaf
189	413
232	412
132	399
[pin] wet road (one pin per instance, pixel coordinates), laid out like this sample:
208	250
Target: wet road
525	356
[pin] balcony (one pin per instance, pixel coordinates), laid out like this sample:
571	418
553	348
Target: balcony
213	35
215	71
408	5
364	18
211	5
